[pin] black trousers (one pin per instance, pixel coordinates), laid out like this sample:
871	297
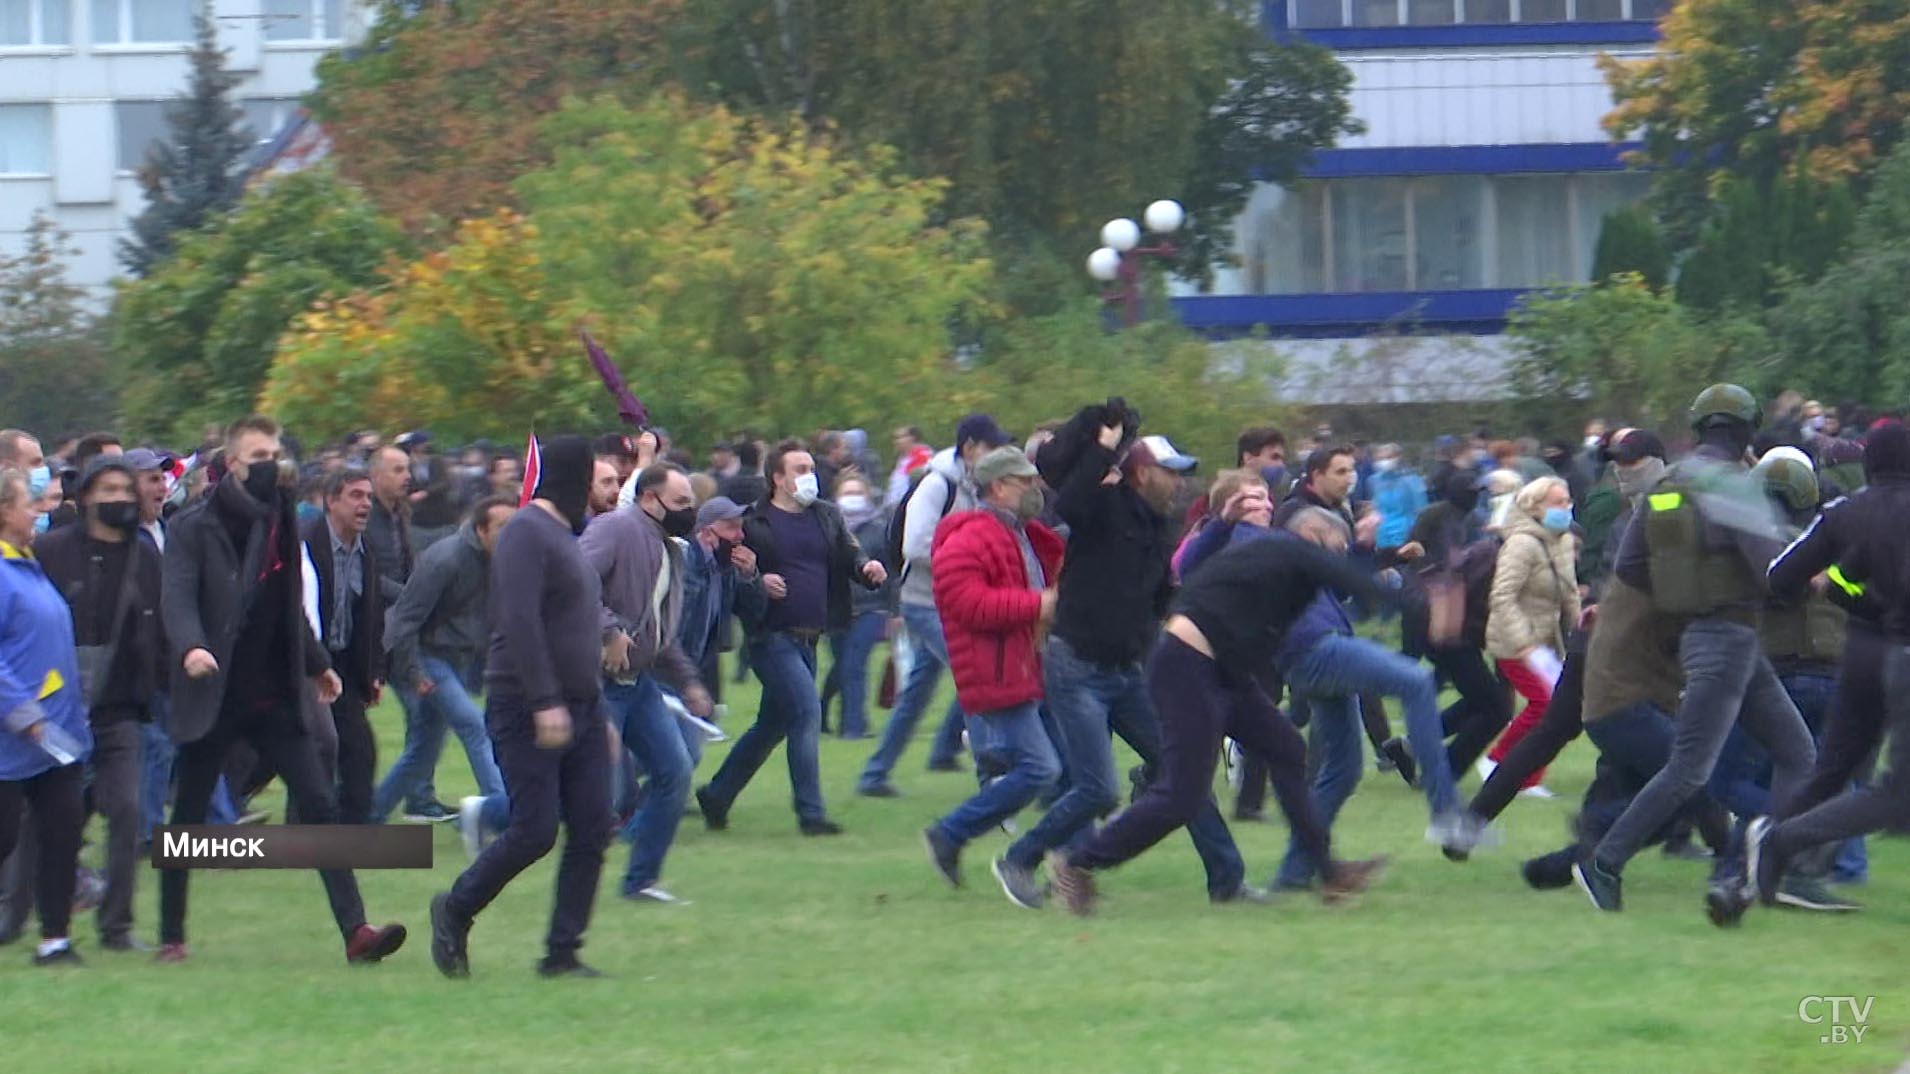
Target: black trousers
1483	709
58	816
1198	707
1873	697
571	785
1562	722
118	765
283	743
357	766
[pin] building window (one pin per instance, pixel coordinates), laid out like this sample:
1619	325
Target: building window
140	123
1427	232
35	22
1332	14
304	20
26	139
143	22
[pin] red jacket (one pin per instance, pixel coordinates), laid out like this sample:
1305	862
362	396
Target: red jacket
989	608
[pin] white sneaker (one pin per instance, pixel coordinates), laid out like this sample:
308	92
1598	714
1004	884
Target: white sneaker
1485	766
657	895
1539	791
471	825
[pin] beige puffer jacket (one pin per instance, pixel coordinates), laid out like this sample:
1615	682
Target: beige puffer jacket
1532	602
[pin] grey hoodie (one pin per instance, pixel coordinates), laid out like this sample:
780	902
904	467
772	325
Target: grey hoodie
925	512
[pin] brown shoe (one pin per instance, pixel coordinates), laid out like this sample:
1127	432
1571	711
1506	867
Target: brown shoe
368	944
171	952
1347	879
1074	884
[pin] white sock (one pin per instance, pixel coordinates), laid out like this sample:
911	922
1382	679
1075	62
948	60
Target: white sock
48	947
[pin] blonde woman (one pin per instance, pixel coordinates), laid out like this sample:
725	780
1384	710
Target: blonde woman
1534	604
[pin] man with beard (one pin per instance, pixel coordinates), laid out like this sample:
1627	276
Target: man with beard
544	705
605	484
245	658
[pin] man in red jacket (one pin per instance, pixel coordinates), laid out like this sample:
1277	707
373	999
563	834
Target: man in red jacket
995	569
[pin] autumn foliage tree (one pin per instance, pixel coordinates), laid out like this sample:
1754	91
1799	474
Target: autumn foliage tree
1762	91
438	112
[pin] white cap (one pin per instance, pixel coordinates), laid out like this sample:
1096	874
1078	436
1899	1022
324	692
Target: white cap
1167	456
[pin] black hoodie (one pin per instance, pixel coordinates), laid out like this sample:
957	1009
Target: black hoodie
1863	535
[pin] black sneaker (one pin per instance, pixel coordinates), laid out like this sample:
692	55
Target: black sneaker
1812	893
64	956
1018	884
879	790
1395	751
943	853
822	826
1250	816
716	817
125	943
567	966
1602	887
1762	870
1725	902
448	938
433	812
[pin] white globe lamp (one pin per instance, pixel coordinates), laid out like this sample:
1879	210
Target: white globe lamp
1165	217
1104	264
1122	234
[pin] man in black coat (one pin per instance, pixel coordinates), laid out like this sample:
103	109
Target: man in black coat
110	578
351	617
244	661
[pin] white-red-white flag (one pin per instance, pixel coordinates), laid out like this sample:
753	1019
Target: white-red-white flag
533	467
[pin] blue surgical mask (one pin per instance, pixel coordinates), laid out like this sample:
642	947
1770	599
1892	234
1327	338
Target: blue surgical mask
42	523
38	479
1557	519
1275	476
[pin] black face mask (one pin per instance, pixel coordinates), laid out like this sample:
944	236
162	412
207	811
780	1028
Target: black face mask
120	515
679	523
262	481
724	549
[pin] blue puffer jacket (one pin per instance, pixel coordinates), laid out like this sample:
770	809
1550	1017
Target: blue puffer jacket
1399	496
39	671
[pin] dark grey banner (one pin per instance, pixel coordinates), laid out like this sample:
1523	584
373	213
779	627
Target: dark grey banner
292	846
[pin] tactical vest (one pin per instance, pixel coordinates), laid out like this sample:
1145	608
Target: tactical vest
1812	631
1687	576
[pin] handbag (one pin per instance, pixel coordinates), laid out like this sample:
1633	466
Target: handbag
96	661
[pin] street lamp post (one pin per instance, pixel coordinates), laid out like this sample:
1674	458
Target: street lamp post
1118	261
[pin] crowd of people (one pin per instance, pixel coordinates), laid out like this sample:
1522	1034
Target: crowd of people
1719	623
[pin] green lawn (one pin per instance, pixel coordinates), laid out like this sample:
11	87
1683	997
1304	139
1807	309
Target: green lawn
849	954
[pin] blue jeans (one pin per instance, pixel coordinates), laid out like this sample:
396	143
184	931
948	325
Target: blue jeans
930	655
448	704
1742	779
1086	702
1331	676
650	731
1017	740
852	670
786	666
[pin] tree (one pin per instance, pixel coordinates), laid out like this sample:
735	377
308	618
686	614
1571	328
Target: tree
1629	242
1627	350
53	370
1047	116
439	111
1847	334
194	173
1763	91
741	272
196	338
1762	238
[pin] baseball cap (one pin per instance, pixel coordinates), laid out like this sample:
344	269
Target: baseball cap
1006	461
1631	446
413	438
717	509
1168	457
981	427
146	460
102	463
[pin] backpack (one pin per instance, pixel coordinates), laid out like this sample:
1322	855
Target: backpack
897	524
1459	596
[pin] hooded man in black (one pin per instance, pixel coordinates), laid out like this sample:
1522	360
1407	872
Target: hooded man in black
243	652
543	704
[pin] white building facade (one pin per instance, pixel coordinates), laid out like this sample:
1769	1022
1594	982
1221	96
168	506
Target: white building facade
1483	173
84	86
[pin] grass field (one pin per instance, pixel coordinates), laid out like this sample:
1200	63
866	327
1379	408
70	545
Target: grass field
848	954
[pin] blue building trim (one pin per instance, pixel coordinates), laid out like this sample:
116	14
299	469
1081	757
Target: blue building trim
1468	159
1471	35
1345	316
